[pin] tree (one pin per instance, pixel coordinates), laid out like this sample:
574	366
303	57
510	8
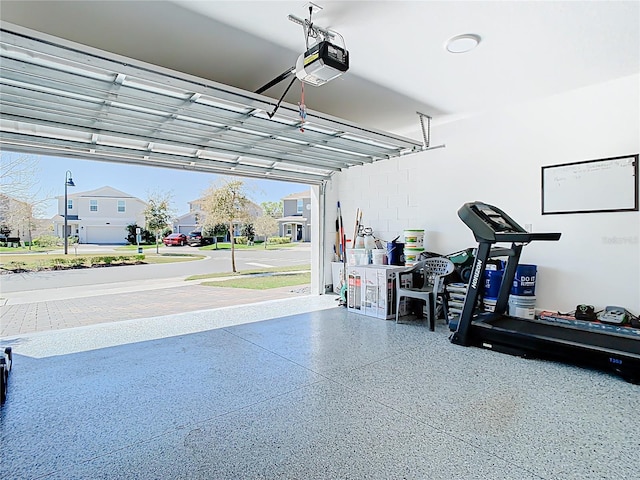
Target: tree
19	216
146	236
272	209
265	226
21	220
249	231
226	203
21	199
158	214
18	175
218	230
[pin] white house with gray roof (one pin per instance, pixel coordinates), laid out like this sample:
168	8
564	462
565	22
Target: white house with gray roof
99	216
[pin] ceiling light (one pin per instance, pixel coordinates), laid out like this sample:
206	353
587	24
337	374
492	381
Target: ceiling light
462	43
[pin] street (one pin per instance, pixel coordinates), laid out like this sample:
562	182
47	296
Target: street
216	261
52	300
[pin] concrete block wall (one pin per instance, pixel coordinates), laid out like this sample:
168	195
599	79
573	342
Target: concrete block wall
496	157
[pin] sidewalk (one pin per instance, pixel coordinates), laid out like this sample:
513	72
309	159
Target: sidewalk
54	309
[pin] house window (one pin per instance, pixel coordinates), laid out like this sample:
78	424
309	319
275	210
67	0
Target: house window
121	207
69	204
93	205
289	229
300	205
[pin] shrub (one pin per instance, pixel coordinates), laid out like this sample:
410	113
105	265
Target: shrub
15	266
77	262
128	259
58	263
279	240
249	232
46	241
242	240
42	265
220	230
147	237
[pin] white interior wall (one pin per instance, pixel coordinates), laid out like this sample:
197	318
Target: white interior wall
497	158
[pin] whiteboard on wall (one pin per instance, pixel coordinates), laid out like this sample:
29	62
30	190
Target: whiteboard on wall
605	185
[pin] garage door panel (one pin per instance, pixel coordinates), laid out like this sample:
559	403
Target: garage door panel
54	89
109	235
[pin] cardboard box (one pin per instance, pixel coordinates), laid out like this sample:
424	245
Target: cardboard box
372	290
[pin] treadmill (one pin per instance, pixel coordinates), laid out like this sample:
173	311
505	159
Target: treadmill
498	331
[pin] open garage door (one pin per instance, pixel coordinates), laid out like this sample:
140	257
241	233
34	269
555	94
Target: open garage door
61	98
65	99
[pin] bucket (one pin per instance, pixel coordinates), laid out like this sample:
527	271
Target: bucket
395	253
522	306
378	256
412	255
524	281
489	304
357	256
414	238
492	281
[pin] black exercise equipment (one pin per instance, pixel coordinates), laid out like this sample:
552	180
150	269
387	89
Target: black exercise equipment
6	361
527	337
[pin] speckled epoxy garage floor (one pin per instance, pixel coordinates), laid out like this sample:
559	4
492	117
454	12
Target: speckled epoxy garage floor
303	390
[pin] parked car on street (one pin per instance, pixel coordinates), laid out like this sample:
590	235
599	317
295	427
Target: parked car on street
175	239
196	238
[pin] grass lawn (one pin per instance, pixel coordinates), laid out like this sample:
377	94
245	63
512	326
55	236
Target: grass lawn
256	246
219	246
23	250
43	260
291	268
171	257
263	282
134	248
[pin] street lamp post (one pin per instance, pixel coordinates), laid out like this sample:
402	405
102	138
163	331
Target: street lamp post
68	182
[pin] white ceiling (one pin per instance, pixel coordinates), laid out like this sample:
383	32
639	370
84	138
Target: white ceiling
398	61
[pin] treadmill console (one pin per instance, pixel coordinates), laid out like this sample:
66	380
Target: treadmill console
490	224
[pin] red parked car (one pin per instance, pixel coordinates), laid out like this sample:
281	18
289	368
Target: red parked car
175	239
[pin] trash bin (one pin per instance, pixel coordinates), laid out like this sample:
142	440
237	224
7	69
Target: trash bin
139	249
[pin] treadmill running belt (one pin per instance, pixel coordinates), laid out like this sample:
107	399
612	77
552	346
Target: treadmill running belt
552	332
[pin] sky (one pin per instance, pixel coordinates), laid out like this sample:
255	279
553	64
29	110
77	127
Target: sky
140	181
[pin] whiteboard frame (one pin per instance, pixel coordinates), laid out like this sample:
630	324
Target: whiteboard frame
631	208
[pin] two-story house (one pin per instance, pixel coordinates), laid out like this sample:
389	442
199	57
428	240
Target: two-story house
296	217
18	217
189	221
195	218
99	216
